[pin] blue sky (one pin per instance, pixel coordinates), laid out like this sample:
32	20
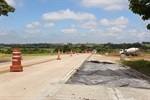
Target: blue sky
75	21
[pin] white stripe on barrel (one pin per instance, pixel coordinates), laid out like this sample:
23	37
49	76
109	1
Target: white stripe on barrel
17	56
16	52
14	60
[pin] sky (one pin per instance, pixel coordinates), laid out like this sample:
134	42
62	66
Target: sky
73	21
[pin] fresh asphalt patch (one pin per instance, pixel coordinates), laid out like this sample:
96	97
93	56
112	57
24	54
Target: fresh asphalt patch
109	74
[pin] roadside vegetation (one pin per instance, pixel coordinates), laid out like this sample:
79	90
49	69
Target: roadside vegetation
46	49
142	66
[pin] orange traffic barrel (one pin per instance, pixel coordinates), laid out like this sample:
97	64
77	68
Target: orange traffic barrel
58	55
16	61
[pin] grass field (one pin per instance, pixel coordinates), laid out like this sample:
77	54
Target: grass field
5	55
8	57
147	45
44	54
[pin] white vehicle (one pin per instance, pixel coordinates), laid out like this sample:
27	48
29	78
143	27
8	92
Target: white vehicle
131	51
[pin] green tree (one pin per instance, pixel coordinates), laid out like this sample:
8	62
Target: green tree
83	47
66	48
141	7
5	8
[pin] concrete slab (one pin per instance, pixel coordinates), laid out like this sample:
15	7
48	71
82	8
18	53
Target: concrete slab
34	82
45	81
86	92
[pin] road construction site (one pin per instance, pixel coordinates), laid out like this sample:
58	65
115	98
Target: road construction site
109	74
76	77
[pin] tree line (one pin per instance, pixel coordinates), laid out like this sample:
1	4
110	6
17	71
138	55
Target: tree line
66	48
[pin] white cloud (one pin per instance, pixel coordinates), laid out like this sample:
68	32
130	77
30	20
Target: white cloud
115	29
16	3
70	32
73	35
73	26
67	14
89	24
49	25
105	22
32	31
122	26
102	33
11	2
132	31
4	32
95	32
138	35
120	22
108	5
33	25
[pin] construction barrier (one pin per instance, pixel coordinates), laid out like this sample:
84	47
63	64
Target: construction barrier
58	55
16	61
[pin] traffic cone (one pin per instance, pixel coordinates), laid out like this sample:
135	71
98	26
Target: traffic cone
71	53
58	55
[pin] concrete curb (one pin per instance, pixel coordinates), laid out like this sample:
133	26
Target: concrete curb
74	70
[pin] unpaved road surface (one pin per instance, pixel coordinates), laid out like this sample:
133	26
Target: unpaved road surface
102	58
109	74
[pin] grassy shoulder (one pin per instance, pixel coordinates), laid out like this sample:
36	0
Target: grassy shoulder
5	56
142	66
8	57
42	54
